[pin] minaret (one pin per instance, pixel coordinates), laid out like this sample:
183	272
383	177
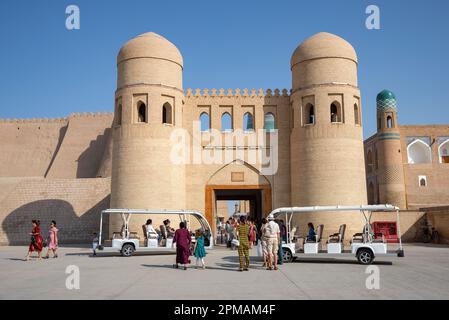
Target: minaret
327	155
148	108
390	174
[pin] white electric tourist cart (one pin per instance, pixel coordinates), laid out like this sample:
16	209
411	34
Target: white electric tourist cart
127	242
365	246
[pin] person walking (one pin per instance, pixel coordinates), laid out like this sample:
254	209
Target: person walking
252	233
52	240
272	237
243	249
36	240
199	251
182	239
263	242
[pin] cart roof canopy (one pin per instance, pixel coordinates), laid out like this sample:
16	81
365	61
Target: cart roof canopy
378	207
143	211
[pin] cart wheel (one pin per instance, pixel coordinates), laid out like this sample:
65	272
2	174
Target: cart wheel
365	256
287	255
127	250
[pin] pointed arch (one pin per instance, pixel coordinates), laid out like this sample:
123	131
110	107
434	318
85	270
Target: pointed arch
204	122
142	112
389	122
216	177
336	112
248	122
226	122
419	152
269	121
167	113
443	152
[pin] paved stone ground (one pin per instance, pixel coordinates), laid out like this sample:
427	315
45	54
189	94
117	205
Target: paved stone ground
422	274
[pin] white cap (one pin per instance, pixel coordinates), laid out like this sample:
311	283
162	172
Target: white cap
270	217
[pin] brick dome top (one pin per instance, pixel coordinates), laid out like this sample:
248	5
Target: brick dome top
323	45
150	45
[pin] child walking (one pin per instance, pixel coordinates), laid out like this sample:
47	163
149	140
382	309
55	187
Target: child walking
199	251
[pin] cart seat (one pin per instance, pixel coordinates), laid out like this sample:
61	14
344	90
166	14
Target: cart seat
338	237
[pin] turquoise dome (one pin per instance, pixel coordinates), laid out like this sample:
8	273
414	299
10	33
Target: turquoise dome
386	100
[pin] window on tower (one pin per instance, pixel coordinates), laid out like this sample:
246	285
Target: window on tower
389	121
226	122
269	122
310	114
141	112
167	114
356	114
248	122
335	112
204	122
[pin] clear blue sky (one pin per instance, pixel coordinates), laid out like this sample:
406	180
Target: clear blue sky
48	71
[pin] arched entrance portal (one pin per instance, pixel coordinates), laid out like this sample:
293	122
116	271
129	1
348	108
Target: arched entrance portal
238	181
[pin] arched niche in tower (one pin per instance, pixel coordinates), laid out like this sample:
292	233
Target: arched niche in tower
167	113
336	113
142	112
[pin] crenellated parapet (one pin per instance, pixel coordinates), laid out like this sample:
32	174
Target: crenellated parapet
33	120
105	115
236	93
92	115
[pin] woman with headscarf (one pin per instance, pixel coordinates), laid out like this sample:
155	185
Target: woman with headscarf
182	239
36	240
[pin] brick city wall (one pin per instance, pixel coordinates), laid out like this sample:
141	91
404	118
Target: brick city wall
75	204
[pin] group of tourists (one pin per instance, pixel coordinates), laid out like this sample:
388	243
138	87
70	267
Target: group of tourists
38	242
241	233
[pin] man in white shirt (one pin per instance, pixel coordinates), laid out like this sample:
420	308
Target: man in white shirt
272	235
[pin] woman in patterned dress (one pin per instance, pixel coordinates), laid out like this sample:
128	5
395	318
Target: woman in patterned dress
243	250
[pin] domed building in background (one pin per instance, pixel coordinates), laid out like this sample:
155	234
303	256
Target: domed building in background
165	147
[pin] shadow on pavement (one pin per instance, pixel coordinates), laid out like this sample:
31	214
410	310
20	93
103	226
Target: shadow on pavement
338	261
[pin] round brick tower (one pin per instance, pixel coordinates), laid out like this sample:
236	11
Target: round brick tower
327	157
148	108
389	162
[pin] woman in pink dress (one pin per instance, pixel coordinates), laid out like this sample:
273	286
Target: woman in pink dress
182	239
36	240
52	240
